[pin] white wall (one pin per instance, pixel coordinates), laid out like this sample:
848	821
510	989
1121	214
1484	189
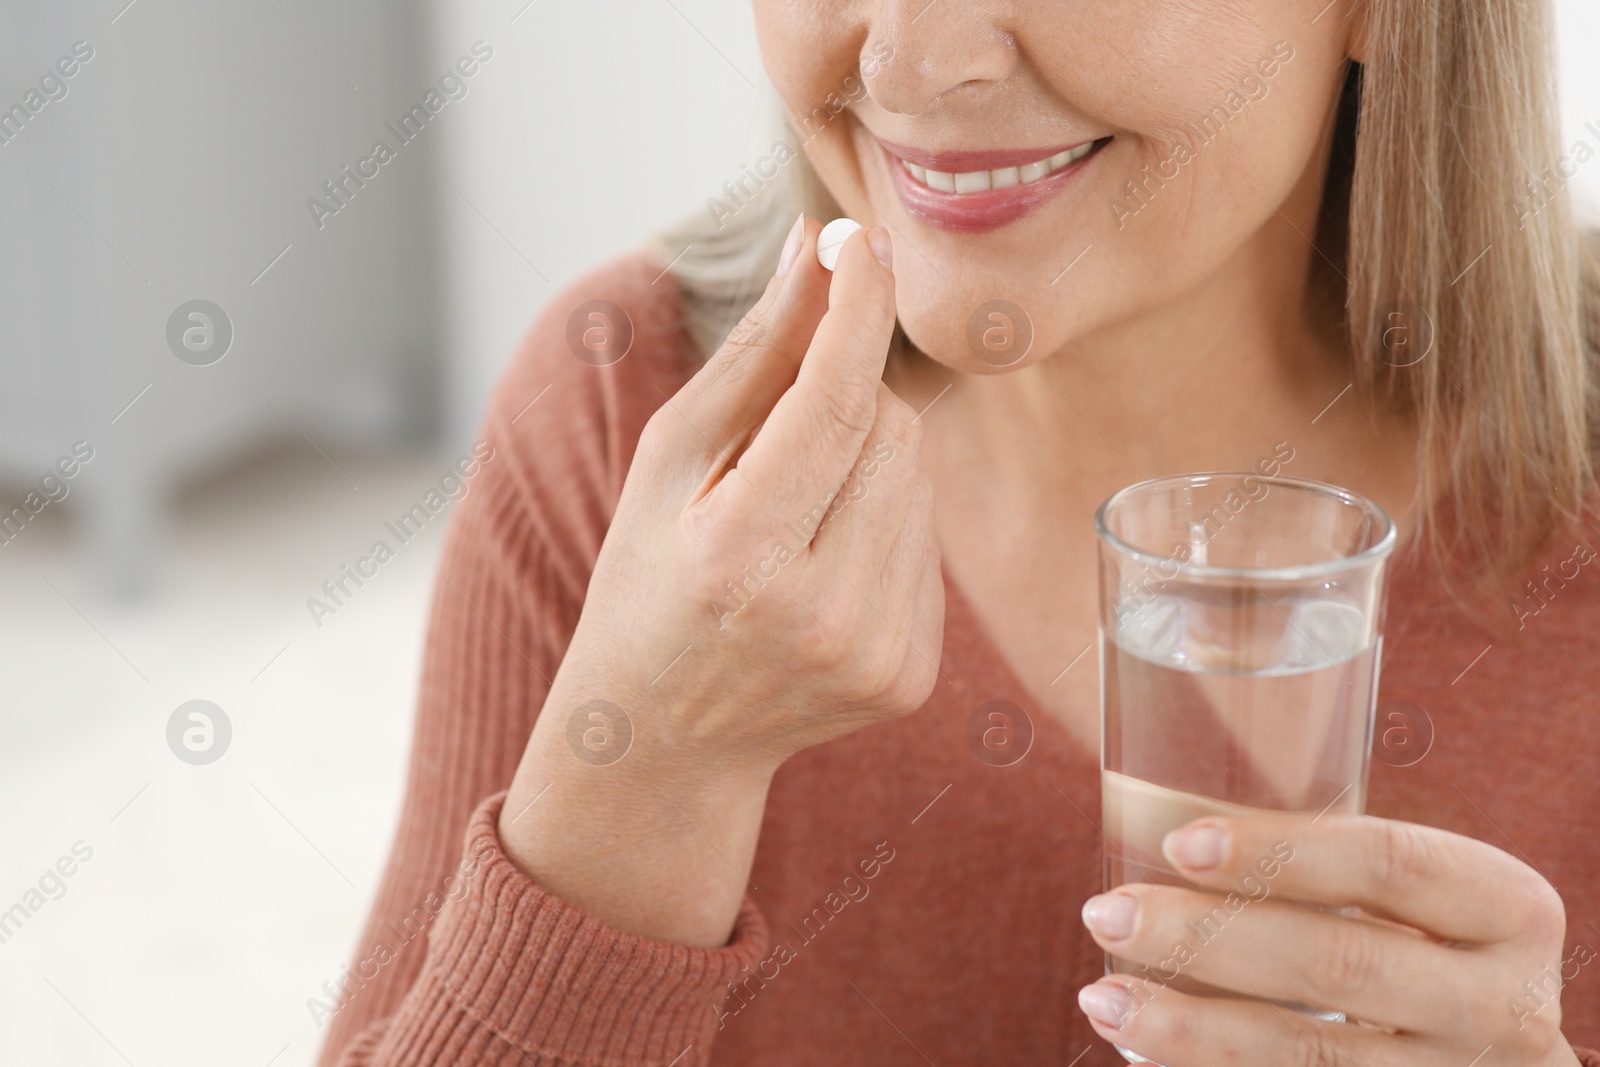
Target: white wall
595	124
1579	78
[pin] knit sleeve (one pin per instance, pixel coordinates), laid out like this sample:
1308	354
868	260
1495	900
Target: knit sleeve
516	975
464	959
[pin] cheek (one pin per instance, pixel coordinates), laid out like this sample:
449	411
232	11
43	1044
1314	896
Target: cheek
810	50
1207	148
1208	166
1182	84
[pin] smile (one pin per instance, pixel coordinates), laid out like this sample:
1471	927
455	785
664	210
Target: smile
976	181
974	191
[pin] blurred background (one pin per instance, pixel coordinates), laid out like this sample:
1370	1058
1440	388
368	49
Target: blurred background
251	342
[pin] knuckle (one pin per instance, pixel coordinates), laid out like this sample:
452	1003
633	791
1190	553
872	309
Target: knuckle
657	437
845	409
1405	853
1168	1022
752	331
913	686
874	689
1346	958
1539	1039
732	363
723	592
718	556
703	541
882	674
1540	909
827	636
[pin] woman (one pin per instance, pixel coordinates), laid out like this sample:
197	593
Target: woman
718	612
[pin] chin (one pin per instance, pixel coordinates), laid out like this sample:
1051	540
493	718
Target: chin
959	342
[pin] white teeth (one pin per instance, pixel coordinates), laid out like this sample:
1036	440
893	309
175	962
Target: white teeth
978	180
972	181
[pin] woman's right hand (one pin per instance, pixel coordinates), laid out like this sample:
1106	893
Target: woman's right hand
769	581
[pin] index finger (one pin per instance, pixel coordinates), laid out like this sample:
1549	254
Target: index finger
812	438
1454	887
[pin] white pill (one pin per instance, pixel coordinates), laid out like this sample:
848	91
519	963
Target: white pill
832	238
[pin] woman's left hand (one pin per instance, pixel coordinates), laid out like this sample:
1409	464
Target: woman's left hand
1455	961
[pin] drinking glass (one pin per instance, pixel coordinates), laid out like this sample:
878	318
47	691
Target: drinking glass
1241	621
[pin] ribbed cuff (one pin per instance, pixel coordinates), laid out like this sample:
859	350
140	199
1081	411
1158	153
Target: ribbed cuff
562	986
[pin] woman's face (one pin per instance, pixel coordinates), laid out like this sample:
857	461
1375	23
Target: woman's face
1085	162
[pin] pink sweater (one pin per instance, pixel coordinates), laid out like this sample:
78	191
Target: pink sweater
915	905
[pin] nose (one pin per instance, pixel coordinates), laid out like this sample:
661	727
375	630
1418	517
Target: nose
917	51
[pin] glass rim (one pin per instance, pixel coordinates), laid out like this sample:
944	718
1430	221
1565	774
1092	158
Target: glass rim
1374	553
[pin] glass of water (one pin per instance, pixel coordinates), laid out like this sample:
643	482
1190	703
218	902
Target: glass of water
1241	628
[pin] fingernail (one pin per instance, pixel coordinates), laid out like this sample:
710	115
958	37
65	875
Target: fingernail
1198	849
791	247
1105	1003
878	238
1111	915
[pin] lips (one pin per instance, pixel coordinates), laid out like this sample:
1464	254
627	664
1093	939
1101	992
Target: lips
974	191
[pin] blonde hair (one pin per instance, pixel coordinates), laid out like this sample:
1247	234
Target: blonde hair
1457	126
1437	209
